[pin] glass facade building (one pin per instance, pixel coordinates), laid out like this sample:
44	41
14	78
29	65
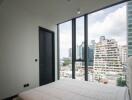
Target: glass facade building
129	25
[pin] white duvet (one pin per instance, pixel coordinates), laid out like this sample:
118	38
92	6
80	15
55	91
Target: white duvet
70	89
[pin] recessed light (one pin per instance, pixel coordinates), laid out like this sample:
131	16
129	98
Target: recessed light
78	11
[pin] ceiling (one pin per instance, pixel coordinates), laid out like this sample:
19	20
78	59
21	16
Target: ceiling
1	1
61	10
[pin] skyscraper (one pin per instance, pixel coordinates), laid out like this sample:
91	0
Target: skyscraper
91	53
129	25
80	51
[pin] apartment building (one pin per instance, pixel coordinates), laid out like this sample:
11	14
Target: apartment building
106	58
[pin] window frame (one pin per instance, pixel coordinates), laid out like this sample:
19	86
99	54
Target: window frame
74	60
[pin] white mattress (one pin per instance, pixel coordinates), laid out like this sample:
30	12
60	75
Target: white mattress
71	89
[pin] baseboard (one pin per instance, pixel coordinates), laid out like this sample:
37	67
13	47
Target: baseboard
10	98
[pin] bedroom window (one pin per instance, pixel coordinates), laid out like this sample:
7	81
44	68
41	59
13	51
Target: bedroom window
96	46
65	38
80	38
79	63
107	45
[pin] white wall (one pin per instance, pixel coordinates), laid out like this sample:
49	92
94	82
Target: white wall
18	48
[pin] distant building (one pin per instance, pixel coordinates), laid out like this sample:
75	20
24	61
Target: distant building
102	38
106	58
80	51
129	25
91	53
77	52
123	54
70	53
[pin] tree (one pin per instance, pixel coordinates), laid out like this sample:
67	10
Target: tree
66	62
121	82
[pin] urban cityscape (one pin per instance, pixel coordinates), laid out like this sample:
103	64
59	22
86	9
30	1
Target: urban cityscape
107	54
106	61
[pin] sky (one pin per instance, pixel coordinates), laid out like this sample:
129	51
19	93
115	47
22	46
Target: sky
110	22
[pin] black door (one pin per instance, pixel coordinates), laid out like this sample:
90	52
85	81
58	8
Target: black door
46	56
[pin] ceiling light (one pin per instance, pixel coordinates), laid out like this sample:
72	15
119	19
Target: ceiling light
78	11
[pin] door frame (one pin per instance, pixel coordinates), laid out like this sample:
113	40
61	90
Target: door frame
53	51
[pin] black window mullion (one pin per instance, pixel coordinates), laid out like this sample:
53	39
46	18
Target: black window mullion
86	46
58	54
73	47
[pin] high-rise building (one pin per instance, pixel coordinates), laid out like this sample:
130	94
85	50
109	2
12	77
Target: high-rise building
91	53
129	24
106	58
123	54
80	51
129	35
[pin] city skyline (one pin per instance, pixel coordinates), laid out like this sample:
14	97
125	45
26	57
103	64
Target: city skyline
101	23
106	60
80	54
89	46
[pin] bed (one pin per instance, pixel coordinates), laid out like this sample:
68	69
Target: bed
71	89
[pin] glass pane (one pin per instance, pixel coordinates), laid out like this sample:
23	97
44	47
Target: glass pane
65	50
79	70
107	45
80	38
129	25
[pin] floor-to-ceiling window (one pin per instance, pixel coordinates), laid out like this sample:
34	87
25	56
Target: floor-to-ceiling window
106	49
79	63
107	45
65	38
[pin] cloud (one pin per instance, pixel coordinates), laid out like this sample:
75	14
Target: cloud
113	26
65	39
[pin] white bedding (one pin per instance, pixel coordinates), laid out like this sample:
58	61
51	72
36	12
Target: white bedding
70	89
